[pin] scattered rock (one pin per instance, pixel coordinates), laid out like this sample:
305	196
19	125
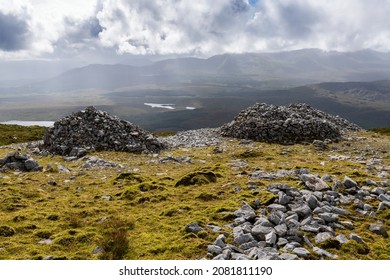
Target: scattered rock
193	228
16	161
379	229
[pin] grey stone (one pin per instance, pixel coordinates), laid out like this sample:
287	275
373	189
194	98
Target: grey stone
370	182
383	205
249	245
356	237
339	211
214	249
261	231
302	211
307	241
384	198
276	217
276	207
239	257
312	202
378	229
257	254
341	238
97	250
243	238
329	217
194	228
262	221
220	243
281	242
46	241
324	253
349	183
309	228
246	212
271	238
322	237
314	183
288	257
281	230
301	252
283	198
227	254
378	191
367	207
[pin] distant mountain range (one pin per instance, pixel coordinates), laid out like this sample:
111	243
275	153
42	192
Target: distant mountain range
278	70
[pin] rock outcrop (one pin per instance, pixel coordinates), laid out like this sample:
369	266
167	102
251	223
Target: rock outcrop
296	123
92	129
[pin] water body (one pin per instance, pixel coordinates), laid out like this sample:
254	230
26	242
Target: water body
166	106
30	123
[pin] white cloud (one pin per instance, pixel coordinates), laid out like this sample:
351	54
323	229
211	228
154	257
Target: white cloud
199	27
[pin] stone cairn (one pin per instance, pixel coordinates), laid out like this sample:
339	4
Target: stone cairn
295	123
92	129
16	161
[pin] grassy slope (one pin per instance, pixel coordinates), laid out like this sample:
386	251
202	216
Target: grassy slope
150	218
15	133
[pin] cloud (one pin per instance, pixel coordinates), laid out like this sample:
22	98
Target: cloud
199	27
14	32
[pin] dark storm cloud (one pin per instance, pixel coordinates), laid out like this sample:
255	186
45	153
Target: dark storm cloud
14	33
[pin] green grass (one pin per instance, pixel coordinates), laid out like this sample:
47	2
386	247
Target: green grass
382	130
19	134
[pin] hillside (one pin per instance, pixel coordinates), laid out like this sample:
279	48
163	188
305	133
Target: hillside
144	206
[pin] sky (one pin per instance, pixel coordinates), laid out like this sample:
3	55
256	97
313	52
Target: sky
88	29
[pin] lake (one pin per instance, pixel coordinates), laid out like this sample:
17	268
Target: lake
30	123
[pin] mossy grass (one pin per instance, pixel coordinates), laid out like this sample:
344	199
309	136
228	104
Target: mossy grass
152	202
10	134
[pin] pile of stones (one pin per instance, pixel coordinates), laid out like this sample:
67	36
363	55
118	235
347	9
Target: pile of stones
295	123
297	221
92	129
16	161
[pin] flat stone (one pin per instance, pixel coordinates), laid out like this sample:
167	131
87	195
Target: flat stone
312	202
46	241
281	242
276	217
246	212
281	230
379	229
339	211
324	253
214	249
271	238
276	207
349	183
322	237
356	237
261	231
314	183
341	238
377	191
302	211
329	217
384	198
193	228
288	257
249	245
243	238
301	252
308	228
383	205
262	221
283	198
